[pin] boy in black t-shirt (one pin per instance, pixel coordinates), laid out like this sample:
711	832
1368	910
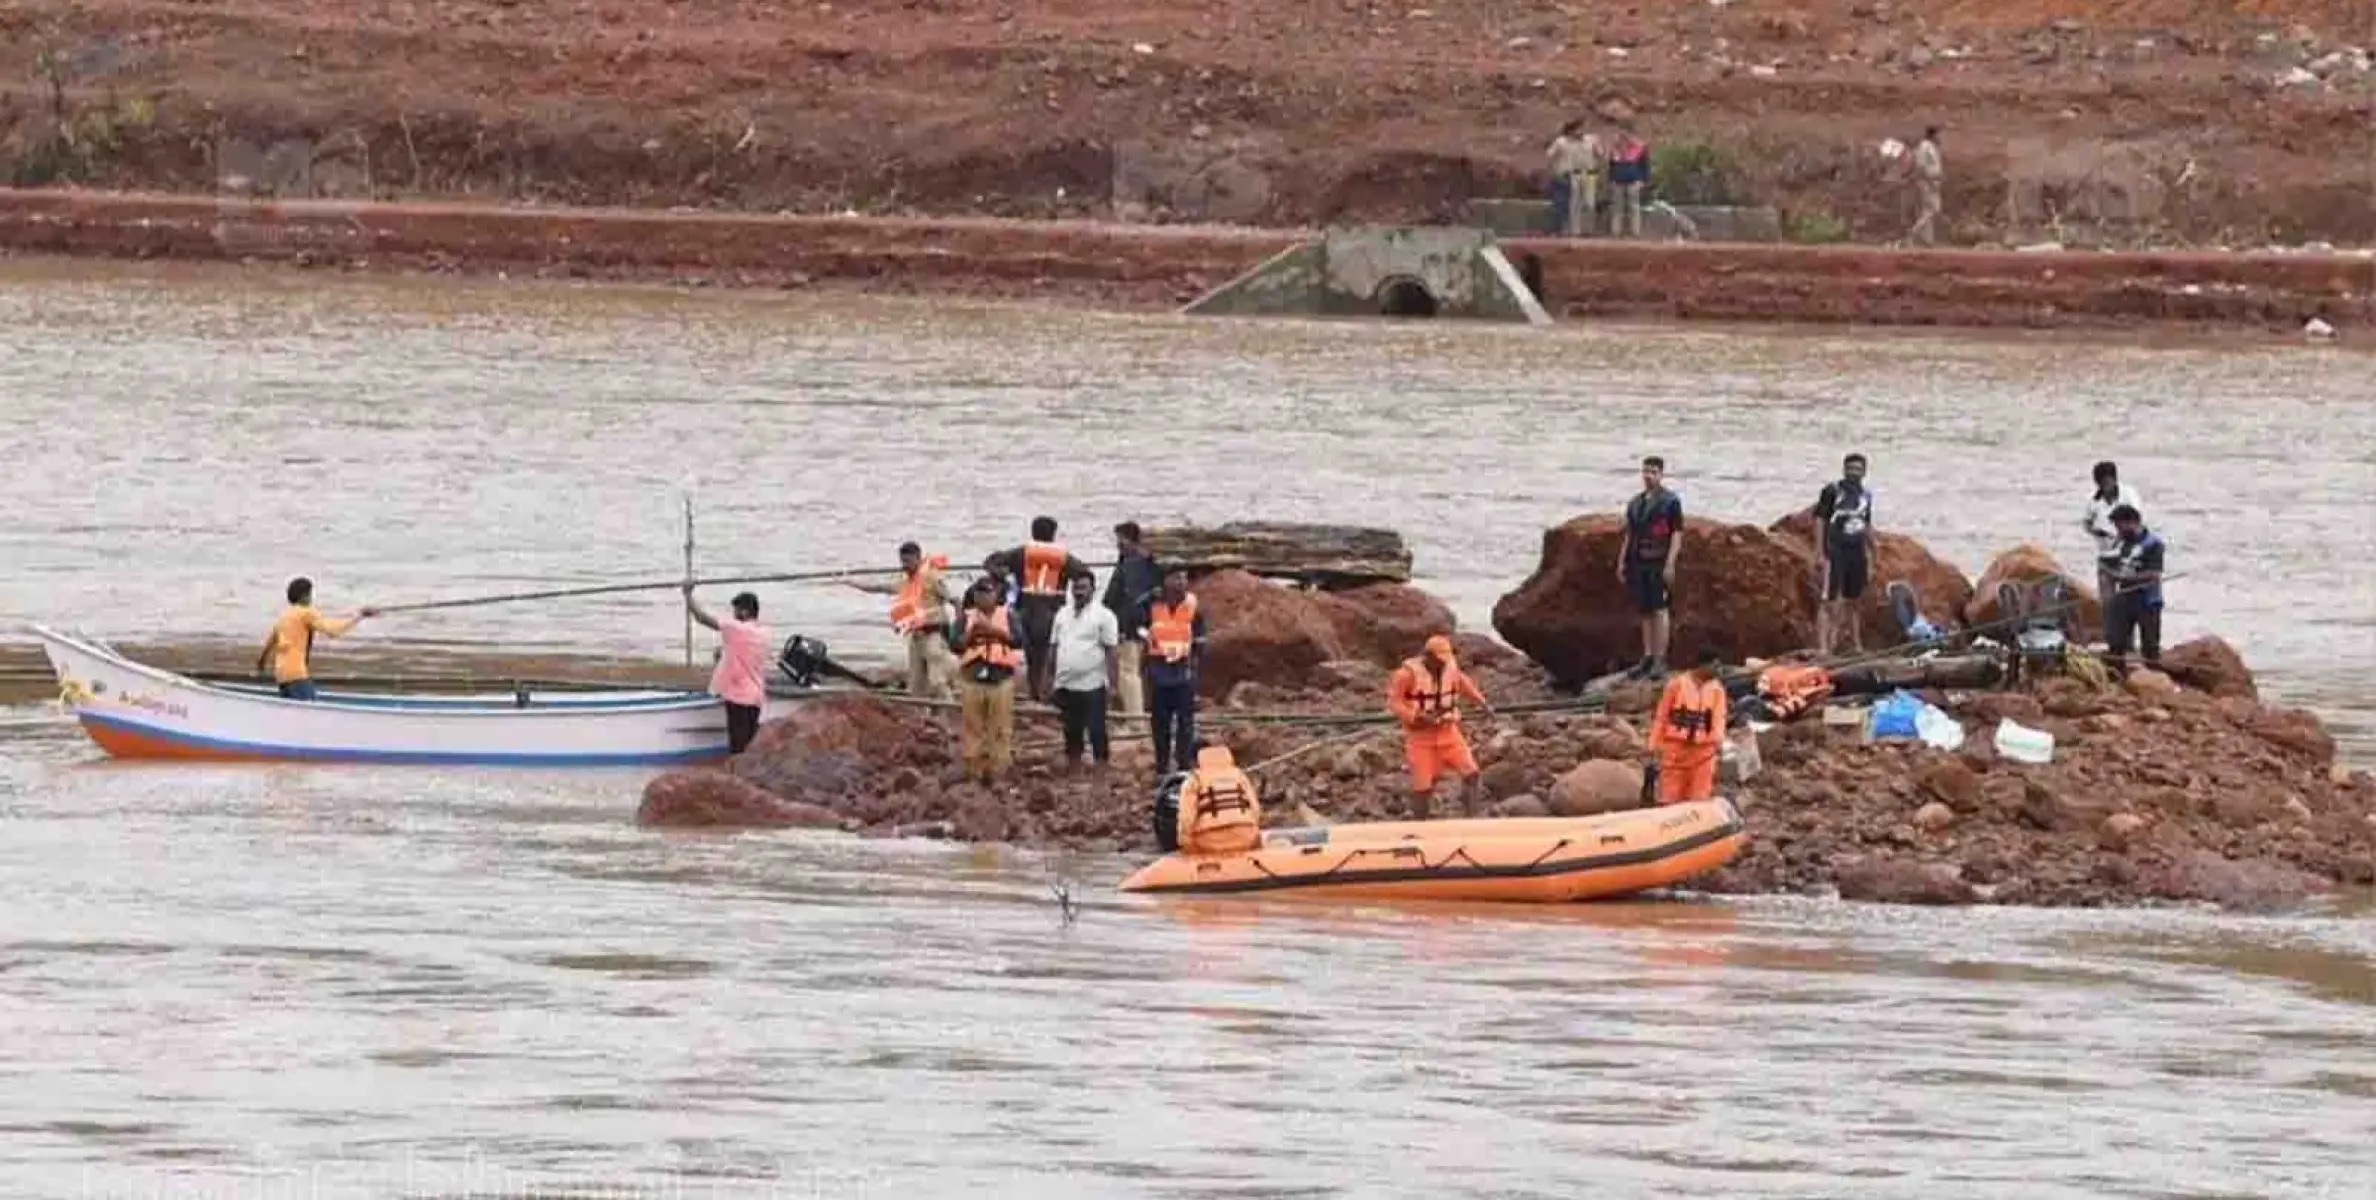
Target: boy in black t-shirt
1843	555
1646	561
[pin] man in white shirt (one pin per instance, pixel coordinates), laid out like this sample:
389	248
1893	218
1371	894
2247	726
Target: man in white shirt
1930	177
2109	494
1085	636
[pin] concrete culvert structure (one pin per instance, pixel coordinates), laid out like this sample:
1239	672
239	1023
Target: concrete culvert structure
1403	296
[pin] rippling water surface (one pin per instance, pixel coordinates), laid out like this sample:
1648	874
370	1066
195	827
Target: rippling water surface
304	981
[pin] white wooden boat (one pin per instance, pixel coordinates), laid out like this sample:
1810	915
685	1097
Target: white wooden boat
137	711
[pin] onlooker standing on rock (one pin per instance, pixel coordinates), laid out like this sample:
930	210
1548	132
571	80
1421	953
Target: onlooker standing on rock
1687	732
2109	494
741	677
987	732
1930	175
1086	635
2133	602
1129	590
1629	173
1843	555
1040	566
1175	657
920	615
1576	161
1646	561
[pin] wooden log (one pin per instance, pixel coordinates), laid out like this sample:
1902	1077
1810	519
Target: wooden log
1330	556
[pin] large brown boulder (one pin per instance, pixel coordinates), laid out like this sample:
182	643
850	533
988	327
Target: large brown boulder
823	750
1599	786
1940	587
1285	637
2030	564
2209	664
707	799
1738	588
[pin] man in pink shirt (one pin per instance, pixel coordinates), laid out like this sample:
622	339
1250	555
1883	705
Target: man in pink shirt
741	677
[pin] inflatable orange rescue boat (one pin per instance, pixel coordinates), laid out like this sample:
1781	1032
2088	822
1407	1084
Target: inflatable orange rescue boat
1539	860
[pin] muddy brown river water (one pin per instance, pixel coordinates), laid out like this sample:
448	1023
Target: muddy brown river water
373	982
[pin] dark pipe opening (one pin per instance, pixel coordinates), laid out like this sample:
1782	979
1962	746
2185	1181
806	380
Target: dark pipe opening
1530	272
1406	298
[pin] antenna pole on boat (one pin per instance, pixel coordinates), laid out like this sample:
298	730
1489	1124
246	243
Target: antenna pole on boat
688	498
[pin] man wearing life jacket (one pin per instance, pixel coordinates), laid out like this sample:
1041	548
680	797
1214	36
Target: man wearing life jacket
988	665
1687	733
1219	812
1843	556
2134	603
1646	561
1039	569
920	616
1175	638
1424	694
2110	493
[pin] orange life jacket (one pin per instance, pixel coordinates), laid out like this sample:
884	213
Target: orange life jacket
1791	691
1219	811
1690	715
912	611
1427	694
1043	568
1171	632
997	654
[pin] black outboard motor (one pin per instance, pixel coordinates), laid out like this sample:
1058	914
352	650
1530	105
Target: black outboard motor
803	658
1167	812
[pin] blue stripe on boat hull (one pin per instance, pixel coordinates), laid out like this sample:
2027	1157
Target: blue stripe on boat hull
261	750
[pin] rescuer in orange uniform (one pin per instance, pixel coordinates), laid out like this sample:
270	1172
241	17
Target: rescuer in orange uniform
1687	733
1424	695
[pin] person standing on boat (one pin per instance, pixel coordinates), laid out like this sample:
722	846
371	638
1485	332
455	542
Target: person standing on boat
988	664
1175	660
288	650
1687	732
2109	494
740	680
1646	561
1129	590
1040	568
1843	555
1424	694
1087	636
2133	598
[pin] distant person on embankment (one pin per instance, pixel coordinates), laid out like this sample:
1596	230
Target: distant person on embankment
1930	177
986	733
1629	177
2109	494
1131	588
1843	556
1040	568
1175	659
288	650
1687	732
1424	694
1576	161
1086	637
740	679
2133	604
1646	561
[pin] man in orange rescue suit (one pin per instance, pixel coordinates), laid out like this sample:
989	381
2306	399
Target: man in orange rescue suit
987	732
1687	733
1424	695
1219	811
1040	568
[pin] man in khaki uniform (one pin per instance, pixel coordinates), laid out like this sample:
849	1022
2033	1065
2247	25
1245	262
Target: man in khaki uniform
1577	157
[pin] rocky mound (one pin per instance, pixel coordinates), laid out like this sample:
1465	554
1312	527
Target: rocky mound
2156	791
1283	636
1741	589
2030	564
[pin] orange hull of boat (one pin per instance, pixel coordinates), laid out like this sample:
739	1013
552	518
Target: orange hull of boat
1537	860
